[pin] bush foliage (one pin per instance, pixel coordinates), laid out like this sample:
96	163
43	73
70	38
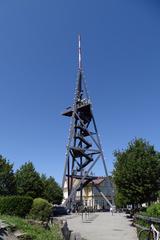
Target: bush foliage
41	209
15	205
154	210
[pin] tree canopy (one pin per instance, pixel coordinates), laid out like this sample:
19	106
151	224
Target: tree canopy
52	191
28	181
7	178
136	172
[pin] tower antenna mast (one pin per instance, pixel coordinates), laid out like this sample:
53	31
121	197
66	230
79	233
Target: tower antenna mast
79	53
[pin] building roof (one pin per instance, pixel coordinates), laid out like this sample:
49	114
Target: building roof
99	180
96	180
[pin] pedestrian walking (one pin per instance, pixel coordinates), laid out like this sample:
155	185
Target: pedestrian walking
111	210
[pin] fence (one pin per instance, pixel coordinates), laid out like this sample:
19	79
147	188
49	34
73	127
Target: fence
147	219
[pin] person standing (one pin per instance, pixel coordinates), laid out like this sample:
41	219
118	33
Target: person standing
111	210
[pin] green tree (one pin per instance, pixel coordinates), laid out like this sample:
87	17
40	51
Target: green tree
52	191
7	178
120	200
136	172
28	181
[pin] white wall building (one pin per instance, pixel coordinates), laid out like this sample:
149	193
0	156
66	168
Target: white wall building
90	194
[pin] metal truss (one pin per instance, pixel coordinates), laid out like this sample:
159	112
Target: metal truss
84	147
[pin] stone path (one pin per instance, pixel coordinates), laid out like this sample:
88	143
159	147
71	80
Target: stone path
103	226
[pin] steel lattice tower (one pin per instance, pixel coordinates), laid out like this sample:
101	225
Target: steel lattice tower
84	148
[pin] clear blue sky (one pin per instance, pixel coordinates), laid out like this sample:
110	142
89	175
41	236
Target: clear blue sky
38	68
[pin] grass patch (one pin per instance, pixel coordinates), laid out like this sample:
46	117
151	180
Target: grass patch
36	232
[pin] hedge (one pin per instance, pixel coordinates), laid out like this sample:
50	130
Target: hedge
15	205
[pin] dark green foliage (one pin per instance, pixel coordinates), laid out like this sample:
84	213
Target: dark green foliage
52	191
7	178
28	181
120	200
136	172
31	184
15	205
41	209
154	210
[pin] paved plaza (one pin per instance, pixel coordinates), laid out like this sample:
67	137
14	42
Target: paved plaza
103	226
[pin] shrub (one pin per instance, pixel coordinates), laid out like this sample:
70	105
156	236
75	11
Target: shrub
41	209
154	210
15	205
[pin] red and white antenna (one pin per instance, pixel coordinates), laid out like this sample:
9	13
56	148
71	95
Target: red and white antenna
79	53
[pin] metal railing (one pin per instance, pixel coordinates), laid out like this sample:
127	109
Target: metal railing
147	219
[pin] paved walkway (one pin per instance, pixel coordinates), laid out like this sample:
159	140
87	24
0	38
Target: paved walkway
103	226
